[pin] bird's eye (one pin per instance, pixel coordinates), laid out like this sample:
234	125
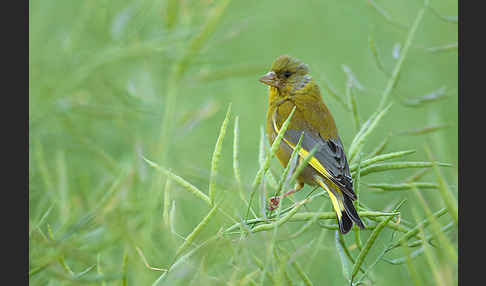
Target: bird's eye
287	74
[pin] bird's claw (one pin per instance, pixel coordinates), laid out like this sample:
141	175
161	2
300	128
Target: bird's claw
273	204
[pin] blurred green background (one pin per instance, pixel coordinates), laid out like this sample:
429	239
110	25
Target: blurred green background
100	73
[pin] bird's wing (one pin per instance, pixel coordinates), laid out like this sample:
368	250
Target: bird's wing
329	159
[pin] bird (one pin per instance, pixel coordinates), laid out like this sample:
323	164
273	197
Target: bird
291	85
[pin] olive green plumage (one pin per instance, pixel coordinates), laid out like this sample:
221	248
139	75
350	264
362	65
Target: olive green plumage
291	85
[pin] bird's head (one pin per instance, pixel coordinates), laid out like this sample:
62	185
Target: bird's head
288	75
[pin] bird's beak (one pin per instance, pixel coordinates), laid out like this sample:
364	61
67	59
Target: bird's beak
270	79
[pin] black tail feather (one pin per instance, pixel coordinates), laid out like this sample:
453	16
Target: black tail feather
351	211
345	223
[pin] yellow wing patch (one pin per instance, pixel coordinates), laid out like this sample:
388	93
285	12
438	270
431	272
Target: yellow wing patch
336	204
303	153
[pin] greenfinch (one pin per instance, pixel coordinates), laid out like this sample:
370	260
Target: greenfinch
291	85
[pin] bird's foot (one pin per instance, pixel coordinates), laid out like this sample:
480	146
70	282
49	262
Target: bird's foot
273	203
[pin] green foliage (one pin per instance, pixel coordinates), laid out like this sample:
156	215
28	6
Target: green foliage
134	178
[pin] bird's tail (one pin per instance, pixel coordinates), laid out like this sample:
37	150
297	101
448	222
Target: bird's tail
344	208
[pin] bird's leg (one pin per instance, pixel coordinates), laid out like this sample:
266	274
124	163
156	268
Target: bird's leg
274	201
